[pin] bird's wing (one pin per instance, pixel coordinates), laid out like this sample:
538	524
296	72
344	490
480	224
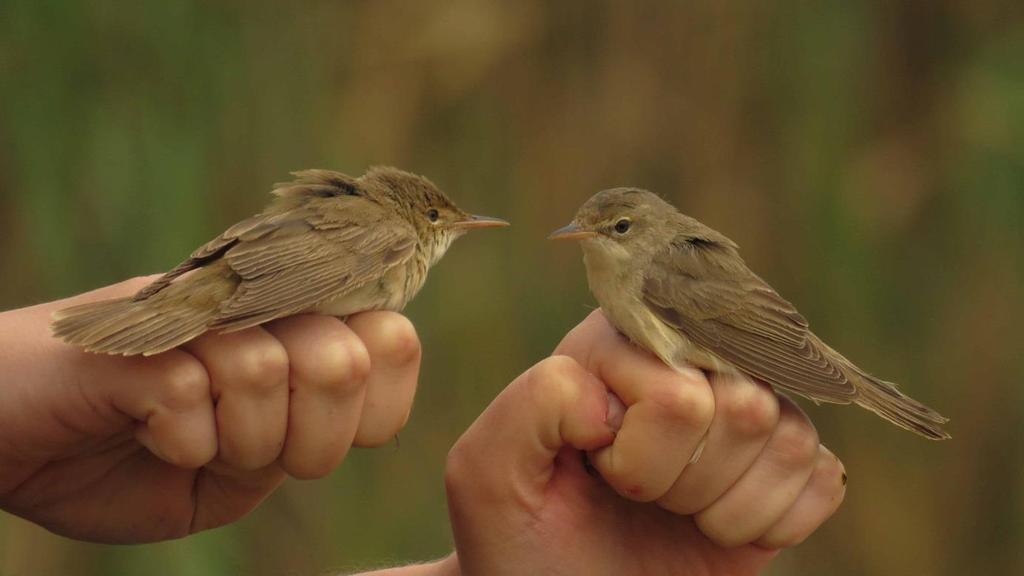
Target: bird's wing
704	290
248	229
289	261
297	200
307	256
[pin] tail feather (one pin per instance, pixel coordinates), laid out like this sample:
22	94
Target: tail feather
115	335
172	337
124	341
127	327
108	326
884	399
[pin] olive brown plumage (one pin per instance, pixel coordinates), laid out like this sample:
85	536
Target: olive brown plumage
681	290
328	244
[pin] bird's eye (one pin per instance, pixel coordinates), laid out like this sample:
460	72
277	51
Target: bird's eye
622	226
433	215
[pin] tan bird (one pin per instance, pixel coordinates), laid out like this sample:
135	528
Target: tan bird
328	244
681	290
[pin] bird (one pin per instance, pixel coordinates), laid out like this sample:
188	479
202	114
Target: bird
681	290
328	244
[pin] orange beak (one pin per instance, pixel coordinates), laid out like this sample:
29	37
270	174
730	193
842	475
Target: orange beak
480	222
571	232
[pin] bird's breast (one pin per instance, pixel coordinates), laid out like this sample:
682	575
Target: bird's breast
369	296
666	342
392	291
620	295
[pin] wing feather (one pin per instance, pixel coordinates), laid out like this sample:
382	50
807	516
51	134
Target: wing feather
725	308
301	262
246	230
296	255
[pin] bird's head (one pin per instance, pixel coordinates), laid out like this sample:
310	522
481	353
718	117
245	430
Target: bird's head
622	221
437	219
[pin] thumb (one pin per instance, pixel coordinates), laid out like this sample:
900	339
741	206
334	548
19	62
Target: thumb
165	398
510	451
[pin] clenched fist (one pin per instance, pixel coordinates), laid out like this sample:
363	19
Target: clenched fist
115	449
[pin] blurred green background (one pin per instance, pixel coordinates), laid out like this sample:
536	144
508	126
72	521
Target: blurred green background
868	156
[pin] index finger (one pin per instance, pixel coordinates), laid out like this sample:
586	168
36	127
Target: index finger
628	370
668	410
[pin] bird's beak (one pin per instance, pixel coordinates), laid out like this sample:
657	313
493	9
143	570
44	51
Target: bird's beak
571	232
479	222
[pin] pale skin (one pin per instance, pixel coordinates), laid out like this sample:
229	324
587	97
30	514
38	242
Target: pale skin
762	483
87	441
114	449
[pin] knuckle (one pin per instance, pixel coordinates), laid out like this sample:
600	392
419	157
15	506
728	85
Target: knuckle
262	365
719	532
692	404
186	383
795	443
398	341
192	457
338	364
552	380
555	368
341	364
750	411
780	538
629	481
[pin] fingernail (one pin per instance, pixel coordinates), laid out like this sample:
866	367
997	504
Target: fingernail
616	412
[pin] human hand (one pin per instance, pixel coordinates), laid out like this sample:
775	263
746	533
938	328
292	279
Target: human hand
522	501
115	449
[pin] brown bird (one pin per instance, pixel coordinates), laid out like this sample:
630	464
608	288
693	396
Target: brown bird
681	290
328	244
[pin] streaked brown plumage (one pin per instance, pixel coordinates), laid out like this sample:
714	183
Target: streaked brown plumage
329	244
681	290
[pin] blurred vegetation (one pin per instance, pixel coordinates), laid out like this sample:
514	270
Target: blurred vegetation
867	155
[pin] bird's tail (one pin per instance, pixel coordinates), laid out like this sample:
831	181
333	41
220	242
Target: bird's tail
128	327
884	399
